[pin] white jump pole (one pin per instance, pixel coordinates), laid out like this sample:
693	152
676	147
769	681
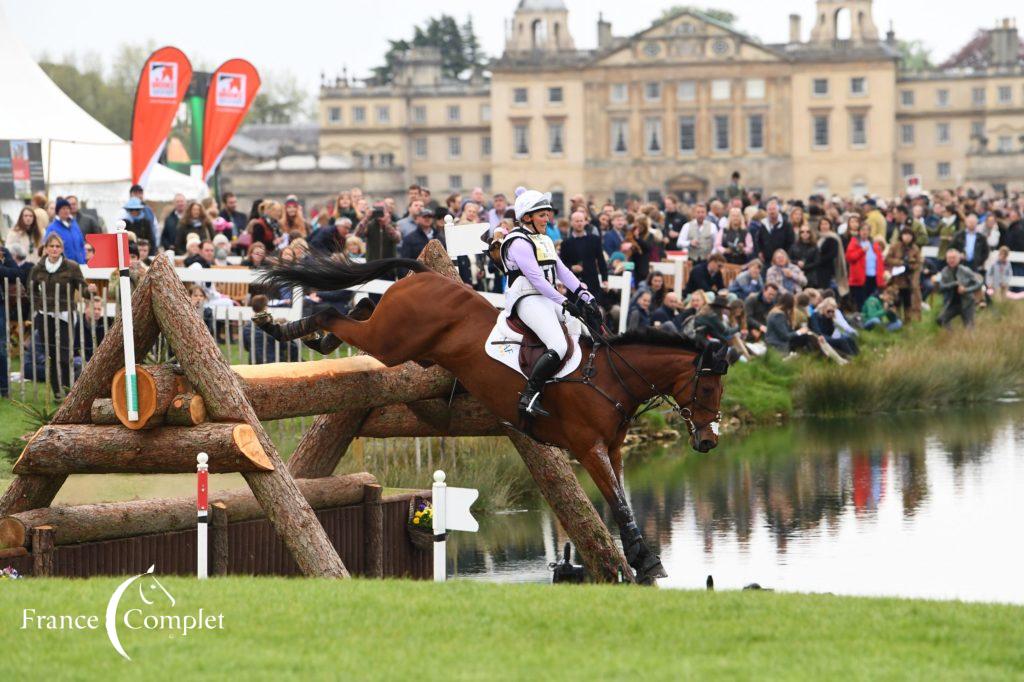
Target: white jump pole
440	546
202	513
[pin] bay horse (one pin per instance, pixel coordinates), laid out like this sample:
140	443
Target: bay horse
429	318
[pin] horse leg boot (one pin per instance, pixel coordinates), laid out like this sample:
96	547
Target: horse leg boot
288	331
529	399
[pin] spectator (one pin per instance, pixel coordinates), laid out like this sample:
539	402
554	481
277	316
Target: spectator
136	192
866	265
169	235
655	284
674	219
786	337
822	323
734	242
267	227
65	227
669	315
497	213
39	207
581	252
145	248
706	275
10	273
414	243
407	225
735	190
772	233
785	275
945	229
904	262
757	307
255	255
712	321
229	213
293	220
957	282
902	219
379	233
639	314
87	222
698	236
971	243
874	220
999	274
355	250
805	254
94	324
614	237
204	258
196	222
831	271
878	310
331	239
27	233
136	221
643	246
748	282
345	208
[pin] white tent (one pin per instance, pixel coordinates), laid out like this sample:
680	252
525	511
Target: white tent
80	155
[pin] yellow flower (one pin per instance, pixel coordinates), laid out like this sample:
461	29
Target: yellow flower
416	520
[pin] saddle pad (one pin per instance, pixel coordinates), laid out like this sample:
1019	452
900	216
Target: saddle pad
503	345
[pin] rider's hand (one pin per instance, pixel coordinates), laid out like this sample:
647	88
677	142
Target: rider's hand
593	314
572	309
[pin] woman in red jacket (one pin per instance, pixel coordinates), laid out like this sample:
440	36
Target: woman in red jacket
866	264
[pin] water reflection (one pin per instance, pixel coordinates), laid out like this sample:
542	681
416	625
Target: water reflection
922	505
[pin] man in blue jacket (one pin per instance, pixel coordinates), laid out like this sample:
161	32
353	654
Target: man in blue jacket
67	229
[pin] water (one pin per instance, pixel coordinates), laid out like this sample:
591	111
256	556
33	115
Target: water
924	505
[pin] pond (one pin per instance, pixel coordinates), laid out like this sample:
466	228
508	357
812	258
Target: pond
921	505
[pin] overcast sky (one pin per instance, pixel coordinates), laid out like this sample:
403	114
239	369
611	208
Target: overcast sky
305	37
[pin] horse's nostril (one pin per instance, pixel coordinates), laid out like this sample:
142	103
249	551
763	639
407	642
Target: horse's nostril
706	445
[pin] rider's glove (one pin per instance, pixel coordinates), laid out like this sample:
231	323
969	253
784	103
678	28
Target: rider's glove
572	309
593	314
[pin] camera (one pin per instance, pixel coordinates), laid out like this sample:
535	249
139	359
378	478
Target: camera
378	212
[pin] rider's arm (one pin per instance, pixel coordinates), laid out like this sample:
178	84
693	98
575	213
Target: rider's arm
520	253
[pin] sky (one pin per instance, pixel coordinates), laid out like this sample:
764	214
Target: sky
302	38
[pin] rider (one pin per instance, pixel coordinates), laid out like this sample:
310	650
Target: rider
533	267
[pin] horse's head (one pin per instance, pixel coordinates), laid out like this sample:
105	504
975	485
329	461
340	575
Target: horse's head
699	396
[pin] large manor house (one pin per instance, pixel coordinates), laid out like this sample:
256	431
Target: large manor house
679	106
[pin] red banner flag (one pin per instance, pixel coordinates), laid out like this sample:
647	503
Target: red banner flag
162	85
232	90
105	247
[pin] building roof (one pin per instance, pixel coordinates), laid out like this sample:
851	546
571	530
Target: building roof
270	140
977	53
541	6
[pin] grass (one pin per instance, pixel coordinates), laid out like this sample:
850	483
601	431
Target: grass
314	629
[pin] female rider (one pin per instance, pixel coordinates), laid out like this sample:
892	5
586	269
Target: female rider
533	268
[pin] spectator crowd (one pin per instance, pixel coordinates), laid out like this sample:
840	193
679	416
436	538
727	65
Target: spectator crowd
761	272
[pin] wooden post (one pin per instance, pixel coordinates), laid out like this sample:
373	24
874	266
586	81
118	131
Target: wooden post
218	538
210	375
373	532
34	491
325	443
42	551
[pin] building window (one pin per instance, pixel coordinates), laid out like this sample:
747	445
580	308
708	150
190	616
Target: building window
820	87
419	114
942	98
620	136
755	88
454	112
485	146
556	138
1005	94
619	93
1005	144
858	130
383	114
454	147
359	114
944	171
421	180
485	112
978	97
721	133
420	147
519	96
687	134
755	132
906	170
977	129
906	98
387	160
521	139
820	131
334	114
858	86
487	181
455	182
859	188
653	144
942	135
721	89
652	92
555	95
686	91
907	134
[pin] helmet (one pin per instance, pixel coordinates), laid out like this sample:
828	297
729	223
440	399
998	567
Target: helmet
530	200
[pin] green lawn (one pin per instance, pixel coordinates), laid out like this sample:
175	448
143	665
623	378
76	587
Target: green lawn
319	630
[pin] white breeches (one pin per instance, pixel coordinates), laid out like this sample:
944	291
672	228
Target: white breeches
544	317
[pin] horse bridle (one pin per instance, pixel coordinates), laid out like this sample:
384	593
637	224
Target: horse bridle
660	397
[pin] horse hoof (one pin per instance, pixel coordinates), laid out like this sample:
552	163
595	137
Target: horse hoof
650	570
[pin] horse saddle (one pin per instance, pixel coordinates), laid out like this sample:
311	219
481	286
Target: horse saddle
514	345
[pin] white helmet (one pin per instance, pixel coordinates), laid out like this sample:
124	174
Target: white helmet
530	200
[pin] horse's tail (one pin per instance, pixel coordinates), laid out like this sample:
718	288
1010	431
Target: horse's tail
327	274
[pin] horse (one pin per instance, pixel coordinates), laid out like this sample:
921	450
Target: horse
428	318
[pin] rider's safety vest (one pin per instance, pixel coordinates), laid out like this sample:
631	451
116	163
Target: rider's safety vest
543	249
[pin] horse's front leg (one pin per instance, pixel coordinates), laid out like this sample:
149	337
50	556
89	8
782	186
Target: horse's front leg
607	475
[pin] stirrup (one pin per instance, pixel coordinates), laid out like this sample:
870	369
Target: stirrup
533	407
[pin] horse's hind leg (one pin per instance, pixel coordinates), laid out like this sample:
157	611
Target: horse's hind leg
608	477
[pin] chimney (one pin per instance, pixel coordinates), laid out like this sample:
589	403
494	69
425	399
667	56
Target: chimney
794	28
1004	45
604	32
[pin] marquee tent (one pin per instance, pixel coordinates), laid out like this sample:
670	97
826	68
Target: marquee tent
80	155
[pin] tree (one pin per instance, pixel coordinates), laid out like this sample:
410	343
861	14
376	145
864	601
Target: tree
280	100
914	56
723	16
459	46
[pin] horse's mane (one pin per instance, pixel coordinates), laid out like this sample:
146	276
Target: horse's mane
654	337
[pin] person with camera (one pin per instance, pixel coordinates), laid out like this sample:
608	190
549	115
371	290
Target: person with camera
379	232
904	262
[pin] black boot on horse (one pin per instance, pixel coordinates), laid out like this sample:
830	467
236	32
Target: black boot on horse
529	400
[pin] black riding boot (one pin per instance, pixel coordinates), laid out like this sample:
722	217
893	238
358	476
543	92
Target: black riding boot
529	399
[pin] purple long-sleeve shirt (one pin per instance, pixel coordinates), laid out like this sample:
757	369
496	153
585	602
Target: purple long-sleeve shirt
521	254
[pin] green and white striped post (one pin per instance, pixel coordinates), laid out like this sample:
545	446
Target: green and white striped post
131	386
